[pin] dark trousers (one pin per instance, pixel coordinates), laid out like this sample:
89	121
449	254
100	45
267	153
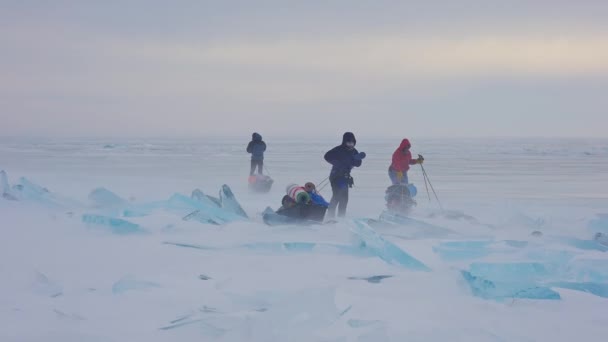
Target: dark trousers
339	199
259	164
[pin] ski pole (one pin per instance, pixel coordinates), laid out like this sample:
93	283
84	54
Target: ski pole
426	185
432	188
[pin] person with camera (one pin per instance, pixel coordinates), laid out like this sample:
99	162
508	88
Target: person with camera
343	159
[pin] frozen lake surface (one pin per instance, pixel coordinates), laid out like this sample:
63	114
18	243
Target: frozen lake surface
71	272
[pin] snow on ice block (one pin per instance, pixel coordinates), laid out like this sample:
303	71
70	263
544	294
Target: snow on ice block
130	283
493	290
202	327
29	190
459	250
579	269
522	220
139	210
373	279
199	206
417	228
515	272
580	275
202	217
601	239
516	243
272	247
593	245
599	224
360	323
190	245
229	202
206	199
297	316
179	201
560	257
285	247
586	270
104	198
5	188
42	285
201	211
353	250
265	316
385	250
114	225
299	246
193	208
32	189
474	249
454	215
597	289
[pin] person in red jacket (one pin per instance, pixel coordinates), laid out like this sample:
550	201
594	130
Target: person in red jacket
402	159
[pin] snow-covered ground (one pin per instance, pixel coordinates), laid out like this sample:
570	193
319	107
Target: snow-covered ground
67	275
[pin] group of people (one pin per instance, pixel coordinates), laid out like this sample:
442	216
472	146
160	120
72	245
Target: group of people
343	159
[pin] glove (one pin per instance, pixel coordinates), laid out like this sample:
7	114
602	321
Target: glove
359	156
420	159
399	175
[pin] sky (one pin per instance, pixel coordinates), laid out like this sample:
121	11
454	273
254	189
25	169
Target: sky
531	68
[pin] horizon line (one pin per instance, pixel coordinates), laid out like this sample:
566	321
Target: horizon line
295	137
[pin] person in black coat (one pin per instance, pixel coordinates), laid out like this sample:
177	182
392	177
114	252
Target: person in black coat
342	158
256	147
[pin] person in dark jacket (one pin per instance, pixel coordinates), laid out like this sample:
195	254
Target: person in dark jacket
342	158
256	147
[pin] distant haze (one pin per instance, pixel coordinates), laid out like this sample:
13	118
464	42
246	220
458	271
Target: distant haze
304	68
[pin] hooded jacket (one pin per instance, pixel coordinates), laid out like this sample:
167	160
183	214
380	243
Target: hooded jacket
402	157
256	147
342	158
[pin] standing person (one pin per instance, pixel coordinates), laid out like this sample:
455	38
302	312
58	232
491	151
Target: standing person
402	159
342	158
256	147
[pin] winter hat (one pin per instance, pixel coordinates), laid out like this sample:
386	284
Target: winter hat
348	136
405	144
